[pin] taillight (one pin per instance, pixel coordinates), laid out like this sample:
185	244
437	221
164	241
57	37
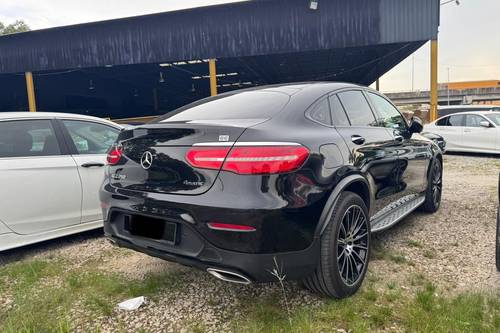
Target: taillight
207	157
115	154
249	160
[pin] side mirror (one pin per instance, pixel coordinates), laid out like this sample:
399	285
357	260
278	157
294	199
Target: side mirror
416	125
485	123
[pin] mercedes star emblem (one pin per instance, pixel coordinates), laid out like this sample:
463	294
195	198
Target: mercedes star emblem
147	160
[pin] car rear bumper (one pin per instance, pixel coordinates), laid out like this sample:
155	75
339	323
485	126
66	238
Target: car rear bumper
284	233
193	250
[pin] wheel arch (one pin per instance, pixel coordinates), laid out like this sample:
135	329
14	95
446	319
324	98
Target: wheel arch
353	183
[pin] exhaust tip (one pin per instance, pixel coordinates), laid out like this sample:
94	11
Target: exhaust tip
228	276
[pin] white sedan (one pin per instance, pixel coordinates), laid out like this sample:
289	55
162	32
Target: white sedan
474	132
51	168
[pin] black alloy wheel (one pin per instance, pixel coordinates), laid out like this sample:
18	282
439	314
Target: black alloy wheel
434	188
345	249
352	246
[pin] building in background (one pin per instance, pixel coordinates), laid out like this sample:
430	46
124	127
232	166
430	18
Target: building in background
149	65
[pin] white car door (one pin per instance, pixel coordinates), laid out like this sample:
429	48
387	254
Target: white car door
451	129
477	137
40	187
90	143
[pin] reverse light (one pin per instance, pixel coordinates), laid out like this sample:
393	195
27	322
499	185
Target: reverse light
249	160
114	154
230	227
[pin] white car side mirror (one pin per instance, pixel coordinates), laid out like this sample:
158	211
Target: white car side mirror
484	123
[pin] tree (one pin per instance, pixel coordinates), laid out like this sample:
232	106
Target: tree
18	26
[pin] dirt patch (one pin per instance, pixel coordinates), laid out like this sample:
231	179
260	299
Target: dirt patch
454	248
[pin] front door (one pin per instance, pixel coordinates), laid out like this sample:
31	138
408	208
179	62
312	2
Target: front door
371	147
414	155
477	137
451	129
90	142
40	187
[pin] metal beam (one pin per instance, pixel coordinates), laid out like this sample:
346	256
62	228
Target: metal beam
213	77
30	87
434	80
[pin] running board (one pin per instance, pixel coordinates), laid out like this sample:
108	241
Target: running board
395	212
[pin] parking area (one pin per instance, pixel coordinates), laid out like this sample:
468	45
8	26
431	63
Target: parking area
430	269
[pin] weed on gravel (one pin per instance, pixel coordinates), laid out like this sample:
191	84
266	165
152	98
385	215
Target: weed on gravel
47	307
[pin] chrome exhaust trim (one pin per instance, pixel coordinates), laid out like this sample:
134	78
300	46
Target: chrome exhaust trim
228	276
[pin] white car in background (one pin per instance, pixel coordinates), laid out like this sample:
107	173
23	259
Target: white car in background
474	132
51	168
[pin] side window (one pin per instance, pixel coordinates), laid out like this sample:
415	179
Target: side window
90	137
443	122
388	115
339	117
28	138
473	120
321	112
457	120
357	108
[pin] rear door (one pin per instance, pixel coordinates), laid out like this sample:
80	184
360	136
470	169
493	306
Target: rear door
89	143
372	148
477	137
451	129
40	187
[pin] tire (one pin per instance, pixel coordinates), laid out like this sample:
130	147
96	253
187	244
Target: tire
498	240
334	277
434	188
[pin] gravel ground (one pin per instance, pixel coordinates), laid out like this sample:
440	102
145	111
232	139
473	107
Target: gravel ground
454	249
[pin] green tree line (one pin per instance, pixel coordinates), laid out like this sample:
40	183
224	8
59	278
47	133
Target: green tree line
18	26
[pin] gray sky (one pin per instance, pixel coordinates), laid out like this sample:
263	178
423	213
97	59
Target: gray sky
469	37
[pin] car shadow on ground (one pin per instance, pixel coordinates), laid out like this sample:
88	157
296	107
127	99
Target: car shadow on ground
27	251
478	155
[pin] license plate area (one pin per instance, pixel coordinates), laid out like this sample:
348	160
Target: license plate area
151	228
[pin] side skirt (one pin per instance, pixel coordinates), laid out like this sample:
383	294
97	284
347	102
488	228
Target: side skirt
395	212
13	240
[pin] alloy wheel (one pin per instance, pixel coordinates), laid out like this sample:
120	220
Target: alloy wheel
437	183
353	242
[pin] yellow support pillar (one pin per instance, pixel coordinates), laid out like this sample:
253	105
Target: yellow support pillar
434	80
213	77
31	91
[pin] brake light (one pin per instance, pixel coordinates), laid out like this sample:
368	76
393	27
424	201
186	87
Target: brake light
249	160
207	157
115	154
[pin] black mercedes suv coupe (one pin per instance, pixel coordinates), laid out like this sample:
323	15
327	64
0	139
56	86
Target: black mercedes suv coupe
287	178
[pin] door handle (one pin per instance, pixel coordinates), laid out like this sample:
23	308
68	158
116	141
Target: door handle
467	130
93	165
358	140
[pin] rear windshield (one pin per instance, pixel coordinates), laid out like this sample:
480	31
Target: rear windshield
246	105
494	117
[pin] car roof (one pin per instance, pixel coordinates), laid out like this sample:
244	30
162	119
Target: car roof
53	115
